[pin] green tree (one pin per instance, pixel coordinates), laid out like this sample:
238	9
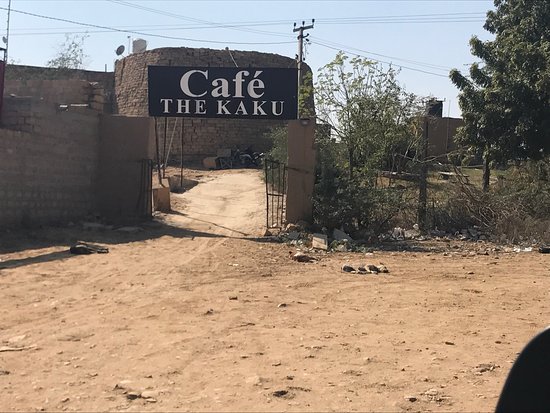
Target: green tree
70	54
369	112
368	119
505	101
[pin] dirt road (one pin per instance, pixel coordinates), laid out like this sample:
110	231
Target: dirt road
197	313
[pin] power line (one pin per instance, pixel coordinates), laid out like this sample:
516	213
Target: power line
178	16
414	62
96	26
348	1
381	61
410	18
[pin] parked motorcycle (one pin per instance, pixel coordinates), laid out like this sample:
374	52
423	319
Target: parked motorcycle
247	158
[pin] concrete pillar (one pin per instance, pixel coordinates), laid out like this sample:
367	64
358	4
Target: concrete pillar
301	170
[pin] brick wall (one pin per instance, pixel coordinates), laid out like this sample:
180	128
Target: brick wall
48	166
202	137
441	136
62	86
125	92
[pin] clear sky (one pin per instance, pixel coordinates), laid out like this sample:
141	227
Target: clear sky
425	37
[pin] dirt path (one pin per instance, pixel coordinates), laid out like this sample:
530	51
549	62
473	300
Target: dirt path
231	205
193	314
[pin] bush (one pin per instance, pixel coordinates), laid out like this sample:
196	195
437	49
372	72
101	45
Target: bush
517	211
355	204
279	148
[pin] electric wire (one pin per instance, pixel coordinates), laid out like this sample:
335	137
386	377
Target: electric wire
438	17
414	62
96	26
412	18
178	16
382	61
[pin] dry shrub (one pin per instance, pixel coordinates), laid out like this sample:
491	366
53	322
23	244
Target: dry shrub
517	212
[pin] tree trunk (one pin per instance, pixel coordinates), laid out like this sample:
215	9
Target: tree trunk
486	172
351	165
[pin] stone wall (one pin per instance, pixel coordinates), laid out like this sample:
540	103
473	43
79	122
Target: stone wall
201	137
62	86
47	167
125	92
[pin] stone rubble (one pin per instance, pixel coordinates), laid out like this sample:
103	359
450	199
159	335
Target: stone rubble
471	240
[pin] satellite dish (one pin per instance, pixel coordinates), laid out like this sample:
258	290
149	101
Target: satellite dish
119	50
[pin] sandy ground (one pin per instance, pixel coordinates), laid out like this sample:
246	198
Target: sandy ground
196	312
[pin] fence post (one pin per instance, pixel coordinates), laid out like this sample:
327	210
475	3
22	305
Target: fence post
301	170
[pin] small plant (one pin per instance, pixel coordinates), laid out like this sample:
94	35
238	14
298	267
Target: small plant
70	54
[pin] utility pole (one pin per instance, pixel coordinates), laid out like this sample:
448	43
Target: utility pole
423	178
4	62
301	38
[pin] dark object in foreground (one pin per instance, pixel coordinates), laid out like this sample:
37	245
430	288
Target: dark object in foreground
85	249
544	250
526	388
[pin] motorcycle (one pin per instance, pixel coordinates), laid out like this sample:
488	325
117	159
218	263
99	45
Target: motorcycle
247	158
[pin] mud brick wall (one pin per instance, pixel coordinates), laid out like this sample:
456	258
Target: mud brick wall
48	163
201	137
441	136
62	86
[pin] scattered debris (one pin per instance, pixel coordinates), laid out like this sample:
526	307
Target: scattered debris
257	381
4	372
8	348
356	373
149	394
348	268
485	367
299	388
210	311
82	248
132	395
383	269
124	385
434	395
293	235
319	241
341	246
365	269
373	269
411	398
284	394
339	235
301	257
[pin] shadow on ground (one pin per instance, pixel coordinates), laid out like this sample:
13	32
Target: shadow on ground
26	239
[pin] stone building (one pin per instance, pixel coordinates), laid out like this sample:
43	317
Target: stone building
201	137
65	134
124	92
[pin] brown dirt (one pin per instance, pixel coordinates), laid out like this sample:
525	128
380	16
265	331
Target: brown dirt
200	314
